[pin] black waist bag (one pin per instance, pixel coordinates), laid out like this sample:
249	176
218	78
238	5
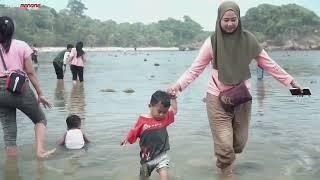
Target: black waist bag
16	82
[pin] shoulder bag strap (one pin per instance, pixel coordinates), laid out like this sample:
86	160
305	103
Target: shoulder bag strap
214	81
3	63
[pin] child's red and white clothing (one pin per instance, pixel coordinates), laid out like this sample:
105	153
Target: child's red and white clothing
153	135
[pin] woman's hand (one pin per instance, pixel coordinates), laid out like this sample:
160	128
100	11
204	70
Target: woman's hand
295	84
173	89
42	99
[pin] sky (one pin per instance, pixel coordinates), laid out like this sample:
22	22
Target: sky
147	11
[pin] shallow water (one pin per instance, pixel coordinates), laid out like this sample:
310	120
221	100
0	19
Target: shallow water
284	132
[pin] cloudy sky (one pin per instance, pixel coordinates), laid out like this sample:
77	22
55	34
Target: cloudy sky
147	11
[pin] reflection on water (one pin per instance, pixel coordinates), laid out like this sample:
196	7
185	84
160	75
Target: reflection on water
260	95
11	169
77	100
283	141
60	95
41	170
72	164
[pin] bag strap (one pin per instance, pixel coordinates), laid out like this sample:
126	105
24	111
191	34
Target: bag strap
214	81
3	63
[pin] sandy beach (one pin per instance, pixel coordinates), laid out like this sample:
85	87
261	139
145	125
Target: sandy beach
102	49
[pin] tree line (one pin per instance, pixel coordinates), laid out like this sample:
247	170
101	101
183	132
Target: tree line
45	26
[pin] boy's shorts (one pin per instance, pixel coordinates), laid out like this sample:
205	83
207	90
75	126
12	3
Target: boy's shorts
159	162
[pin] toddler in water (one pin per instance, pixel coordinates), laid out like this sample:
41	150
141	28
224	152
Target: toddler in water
153	136
74	138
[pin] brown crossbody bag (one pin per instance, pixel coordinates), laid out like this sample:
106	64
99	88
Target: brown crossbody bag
233	97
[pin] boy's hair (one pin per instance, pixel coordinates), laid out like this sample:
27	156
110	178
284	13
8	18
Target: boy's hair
160	96
73	121
69	46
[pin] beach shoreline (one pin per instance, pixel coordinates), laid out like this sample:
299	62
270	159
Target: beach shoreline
107	49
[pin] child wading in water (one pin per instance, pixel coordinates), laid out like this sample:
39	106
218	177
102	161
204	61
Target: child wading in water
74	138
153	136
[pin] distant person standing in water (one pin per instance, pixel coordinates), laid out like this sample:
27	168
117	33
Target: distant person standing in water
34	55
60	62
77	59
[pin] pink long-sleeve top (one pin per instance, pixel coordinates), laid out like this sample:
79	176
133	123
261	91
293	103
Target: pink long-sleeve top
204	58
77	61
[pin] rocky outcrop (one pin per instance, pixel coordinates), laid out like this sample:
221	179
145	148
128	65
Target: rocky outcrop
309	42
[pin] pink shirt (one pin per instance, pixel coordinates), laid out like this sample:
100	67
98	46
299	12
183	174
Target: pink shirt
15	58
204	58
74	60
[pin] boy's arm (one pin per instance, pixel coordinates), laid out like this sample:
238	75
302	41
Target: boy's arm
174	105
133	134
173	102
61	140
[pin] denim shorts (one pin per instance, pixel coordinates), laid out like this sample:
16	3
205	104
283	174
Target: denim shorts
9	103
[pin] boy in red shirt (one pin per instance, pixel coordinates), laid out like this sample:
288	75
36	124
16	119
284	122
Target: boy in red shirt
153	136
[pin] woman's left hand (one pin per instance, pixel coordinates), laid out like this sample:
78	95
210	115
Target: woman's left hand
42	99
295	84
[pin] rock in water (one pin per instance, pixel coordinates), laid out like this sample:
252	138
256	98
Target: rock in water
129	90
108	90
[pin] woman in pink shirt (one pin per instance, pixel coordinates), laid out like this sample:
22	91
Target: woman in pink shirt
77	59
230	49
17	56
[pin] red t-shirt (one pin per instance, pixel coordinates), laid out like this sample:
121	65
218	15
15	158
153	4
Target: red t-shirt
153	136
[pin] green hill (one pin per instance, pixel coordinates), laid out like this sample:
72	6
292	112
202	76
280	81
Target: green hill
290	26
